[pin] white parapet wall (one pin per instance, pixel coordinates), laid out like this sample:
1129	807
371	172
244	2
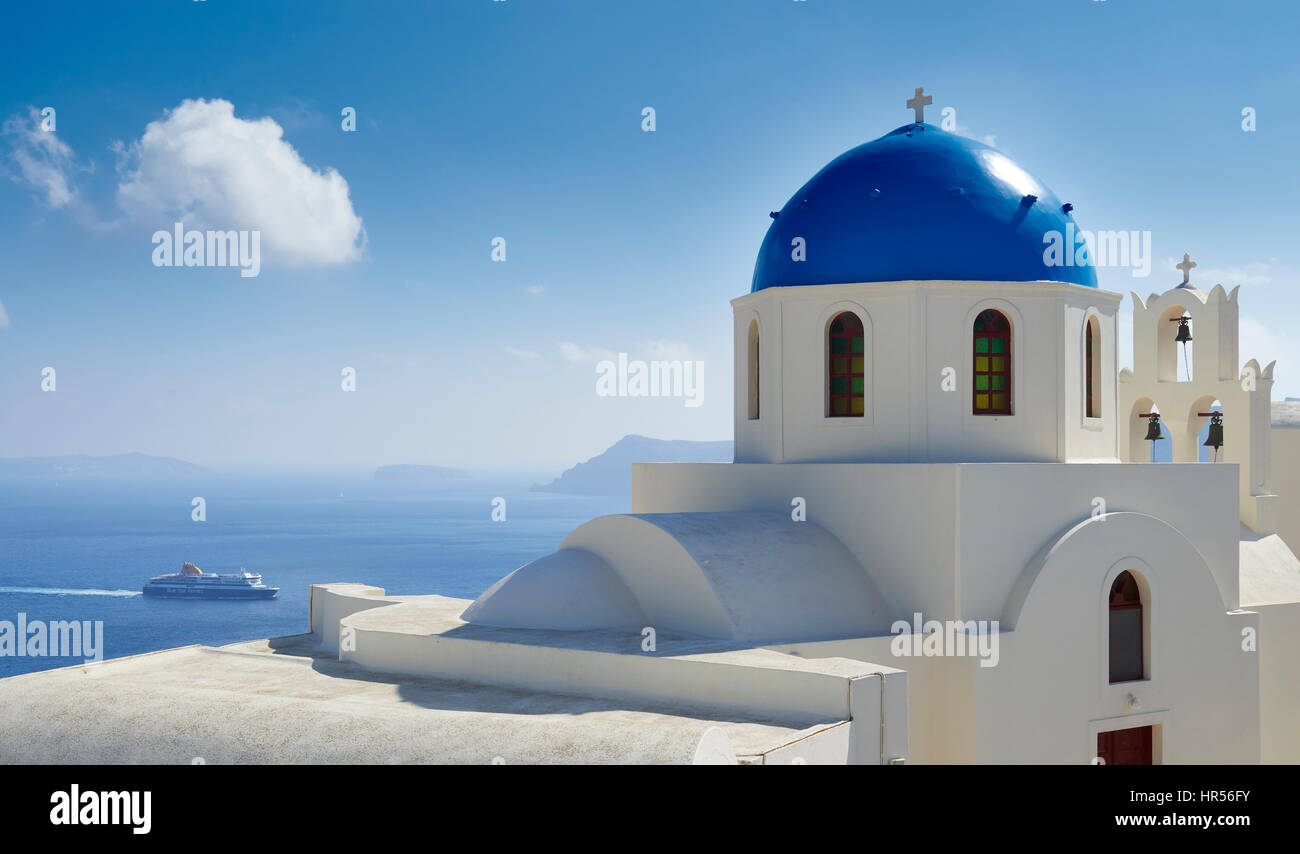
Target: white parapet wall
424	636
1279	650
1285	462
330	603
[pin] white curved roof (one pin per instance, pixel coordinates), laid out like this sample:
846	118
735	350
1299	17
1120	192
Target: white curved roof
749	576
578	589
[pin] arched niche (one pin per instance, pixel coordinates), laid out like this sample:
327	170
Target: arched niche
1167	349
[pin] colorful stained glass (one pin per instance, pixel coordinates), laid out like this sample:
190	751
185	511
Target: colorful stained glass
847	349
992	349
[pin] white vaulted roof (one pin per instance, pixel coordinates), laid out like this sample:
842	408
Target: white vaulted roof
751	576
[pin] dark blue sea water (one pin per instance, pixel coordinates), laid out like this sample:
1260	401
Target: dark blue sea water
80	548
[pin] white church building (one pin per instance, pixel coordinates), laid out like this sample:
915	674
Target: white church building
930	425
941	539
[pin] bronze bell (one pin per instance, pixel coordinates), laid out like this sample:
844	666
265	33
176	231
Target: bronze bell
1184	332
1153	428
1214	439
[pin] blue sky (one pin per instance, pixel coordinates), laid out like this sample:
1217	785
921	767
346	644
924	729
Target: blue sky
522	119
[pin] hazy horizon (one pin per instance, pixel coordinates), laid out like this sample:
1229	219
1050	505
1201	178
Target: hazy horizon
522	471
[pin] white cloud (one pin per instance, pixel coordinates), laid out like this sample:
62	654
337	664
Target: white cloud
301	116
989	139
655	349
576	355
535	290
1254	273
523	354
664	349
4	318
203	165
573	353
45	162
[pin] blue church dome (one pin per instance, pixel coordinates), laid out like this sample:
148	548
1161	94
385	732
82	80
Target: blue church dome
918	203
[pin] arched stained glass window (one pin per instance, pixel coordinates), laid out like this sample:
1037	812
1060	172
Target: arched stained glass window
992	376
847	355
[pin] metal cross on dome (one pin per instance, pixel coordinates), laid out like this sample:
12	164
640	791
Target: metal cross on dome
919	102
1186	267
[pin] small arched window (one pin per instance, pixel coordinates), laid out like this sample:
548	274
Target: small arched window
1091	368
846	346
992	376
1126	659
753	370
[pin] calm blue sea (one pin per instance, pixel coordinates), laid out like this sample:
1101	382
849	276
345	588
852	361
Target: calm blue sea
80	548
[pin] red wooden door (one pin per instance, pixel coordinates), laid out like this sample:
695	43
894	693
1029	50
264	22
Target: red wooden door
1125	746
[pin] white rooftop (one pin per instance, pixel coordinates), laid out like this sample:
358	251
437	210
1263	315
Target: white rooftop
284	701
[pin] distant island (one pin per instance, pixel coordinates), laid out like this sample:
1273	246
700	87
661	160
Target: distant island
421	474
81	465
610	473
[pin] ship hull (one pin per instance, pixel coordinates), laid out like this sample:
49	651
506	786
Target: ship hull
182	593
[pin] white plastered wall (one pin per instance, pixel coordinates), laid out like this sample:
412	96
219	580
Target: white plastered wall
1050	694
1279	650
949	540
914	332
1284	467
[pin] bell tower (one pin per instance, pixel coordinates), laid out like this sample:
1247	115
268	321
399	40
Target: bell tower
1185	359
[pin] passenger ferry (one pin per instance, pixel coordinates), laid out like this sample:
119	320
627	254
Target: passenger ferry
193	583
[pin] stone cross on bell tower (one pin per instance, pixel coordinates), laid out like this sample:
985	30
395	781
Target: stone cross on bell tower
1186	266
918	103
